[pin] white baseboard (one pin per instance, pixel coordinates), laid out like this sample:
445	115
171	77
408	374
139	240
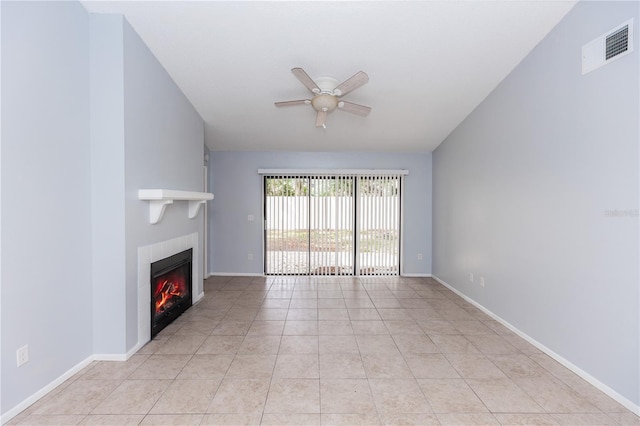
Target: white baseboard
45	390
119	357
112	357
410	275
586	376
236	274
197	298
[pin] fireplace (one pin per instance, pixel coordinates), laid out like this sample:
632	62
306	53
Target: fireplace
171	288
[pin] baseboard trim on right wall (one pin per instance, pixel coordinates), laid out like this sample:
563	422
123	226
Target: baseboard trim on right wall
586	376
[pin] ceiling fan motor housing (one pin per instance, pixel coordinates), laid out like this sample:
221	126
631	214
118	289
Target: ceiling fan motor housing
327	84
325	100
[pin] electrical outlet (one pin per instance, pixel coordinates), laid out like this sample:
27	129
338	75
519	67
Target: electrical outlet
481	281
471	276
22	354
250	256
419	256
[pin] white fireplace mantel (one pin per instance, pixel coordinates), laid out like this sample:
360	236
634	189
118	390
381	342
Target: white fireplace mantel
160	198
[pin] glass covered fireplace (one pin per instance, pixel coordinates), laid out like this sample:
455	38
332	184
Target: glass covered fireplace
170	289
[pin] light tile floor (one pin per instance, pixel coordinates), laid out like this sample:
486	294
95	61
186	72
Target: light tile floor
329	351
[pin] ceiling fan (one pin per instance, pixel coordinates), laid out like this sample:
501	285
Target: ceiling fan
327	94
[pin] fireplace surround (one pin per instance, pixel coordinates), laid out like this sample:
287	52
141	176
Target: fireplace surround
152	253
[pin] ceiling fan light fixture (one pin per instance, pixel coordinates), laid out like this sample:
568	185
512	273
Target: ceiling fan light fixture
324	102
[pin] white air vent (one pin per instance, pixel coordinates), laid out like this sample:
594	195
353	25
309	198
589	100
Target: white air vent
617	43
608	47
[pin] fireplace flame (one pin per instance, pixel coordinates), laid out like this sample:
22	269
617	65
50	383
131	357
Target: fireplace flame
166	292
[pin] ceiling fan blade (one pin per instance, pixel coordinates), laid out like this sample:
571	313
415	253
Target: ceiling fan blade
354	108
306	80
321	118
291	103
351	84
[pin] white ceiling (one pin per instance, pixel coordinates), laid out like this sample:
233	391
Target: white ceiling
430	63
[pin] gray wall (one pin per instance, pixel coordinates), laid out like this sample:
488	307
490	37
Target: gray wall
89	117
164	139
521	191
107	183
145	135
237	188
46	194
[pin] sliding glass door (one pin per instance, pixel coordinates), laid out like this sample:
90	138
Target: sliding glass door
286	219
379	225
332	225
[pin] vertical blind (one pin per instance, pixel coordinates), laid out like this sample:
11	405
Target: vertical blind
379	225
332	224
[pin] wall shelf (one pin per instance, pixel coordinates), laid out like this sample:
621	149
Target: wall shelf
159	199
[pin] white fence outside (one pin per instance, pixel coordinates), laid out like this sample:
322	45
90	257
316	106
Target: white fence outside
298	241
330	213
